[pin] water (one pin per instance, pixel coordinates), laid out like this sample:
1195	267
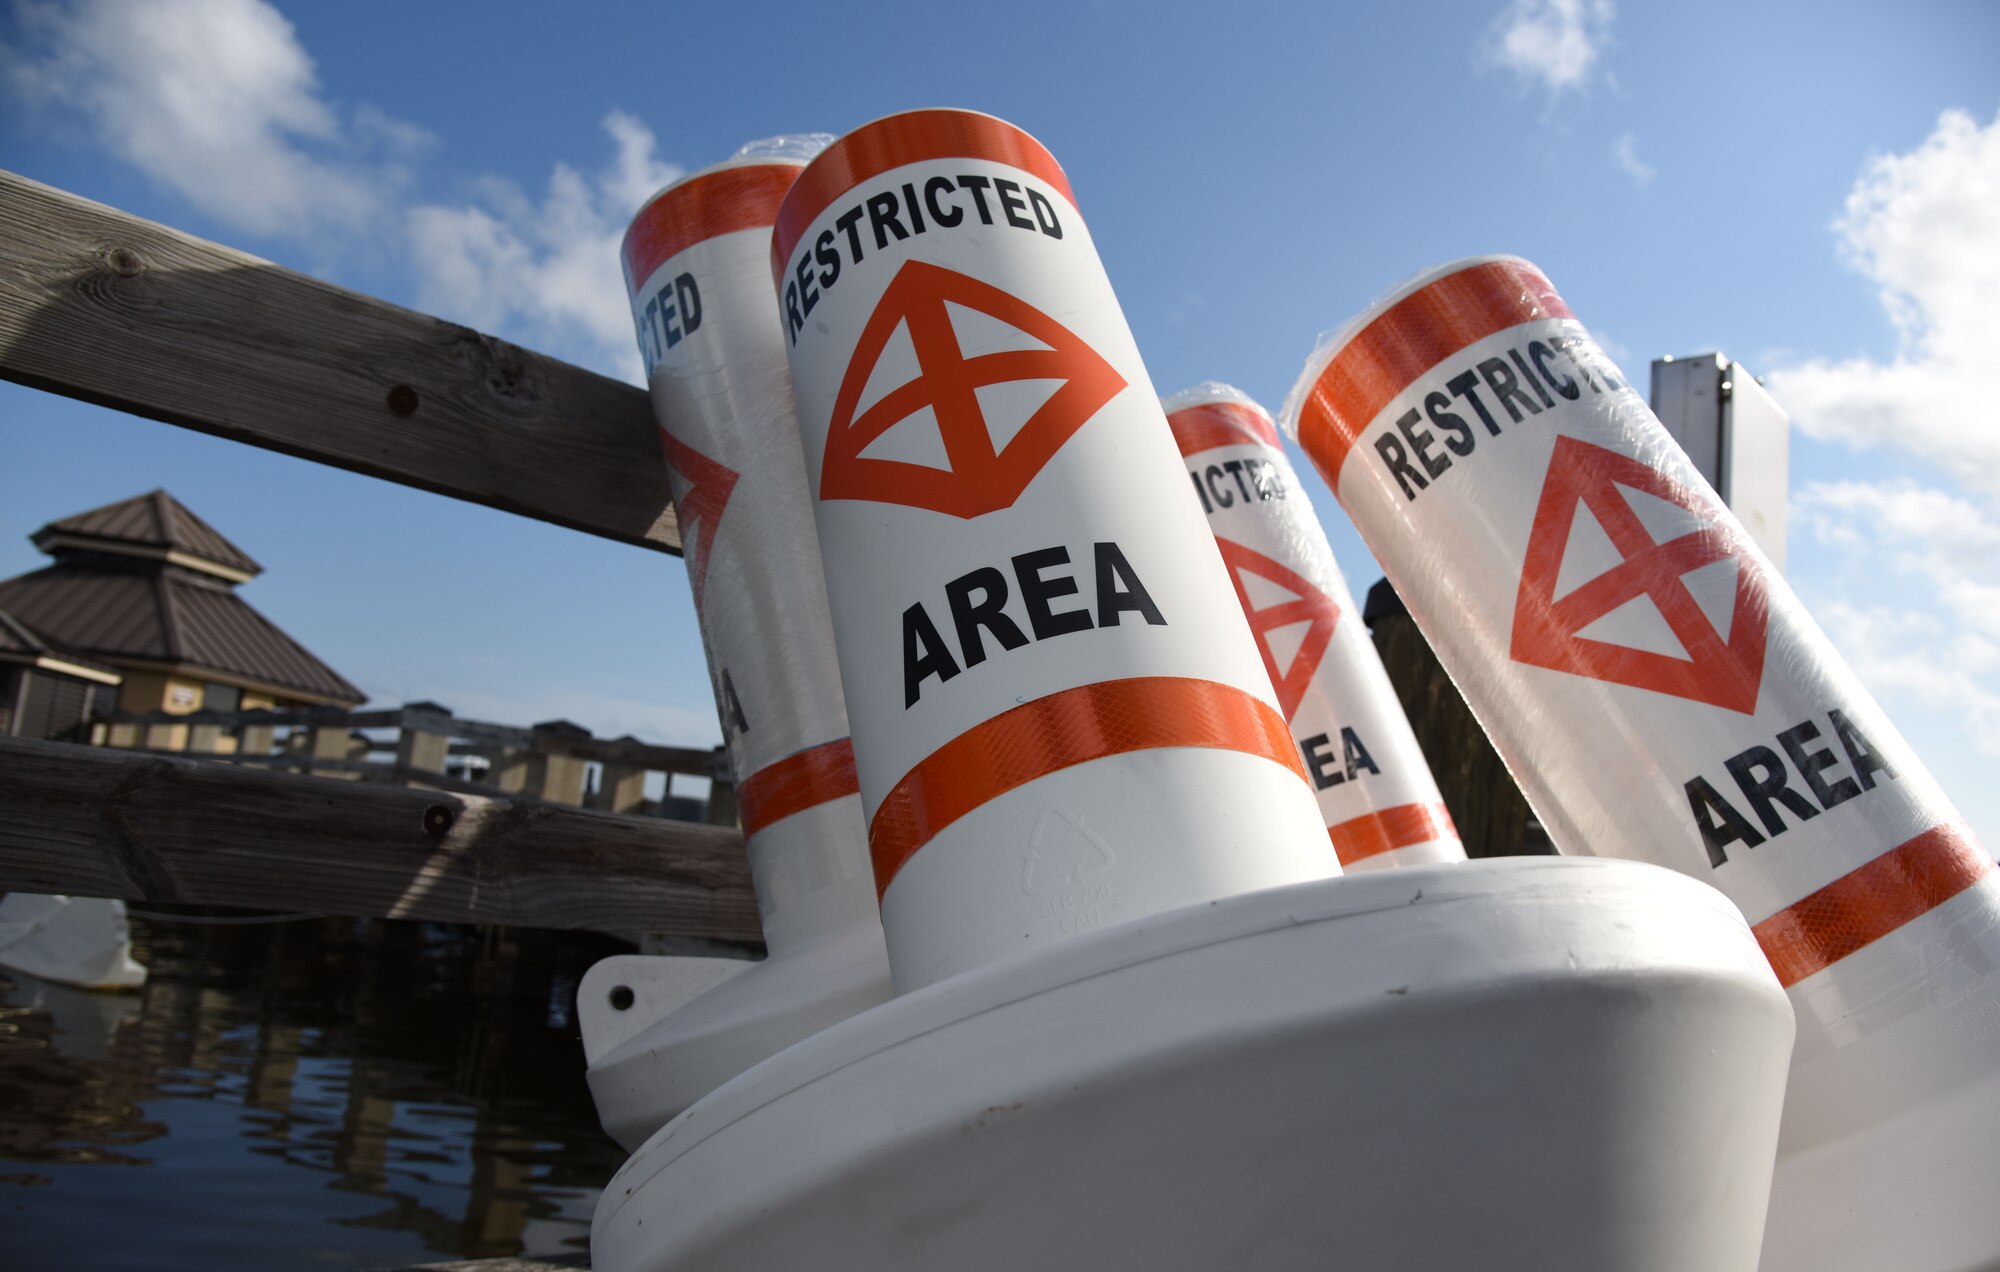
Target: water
331	1093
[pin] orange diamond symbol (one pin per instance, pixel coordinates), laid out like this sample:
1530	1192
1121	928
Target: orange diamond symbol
1650	574
701	489
1307	605
958	469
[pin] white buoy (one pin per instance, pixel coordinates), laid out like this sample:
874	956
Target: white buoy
1660	694
662	1032
1516	1063
1060	720
1376	793
80	941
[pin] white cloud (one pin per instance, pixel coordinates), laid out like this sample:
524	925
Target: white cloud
547	273
1551	43
1625	153
218	101
1925	228
1943	652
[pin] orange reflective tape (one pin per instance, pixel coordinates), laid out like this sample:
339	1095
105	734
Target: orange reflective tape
1064	729
1372	834
1866	904
874	149
701	208
1409	338
796	783
1213	424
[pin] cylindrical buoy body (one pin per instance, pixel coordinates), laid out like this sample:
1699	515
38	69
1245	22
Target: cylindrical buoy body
697	261
1376	793
1660	694
1060	720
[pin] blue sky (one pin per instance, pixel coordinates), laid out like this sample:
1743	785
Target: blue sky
1812	188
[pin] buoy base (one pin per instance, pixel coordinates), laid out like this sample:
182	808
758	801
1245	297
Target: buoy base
1890	1145
1524	1063
691	1024
1928	1183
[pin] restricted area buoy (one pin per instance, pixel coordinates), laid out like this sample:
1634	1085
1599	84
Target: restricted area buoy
660	1033
1376	793
1660	694
1060	720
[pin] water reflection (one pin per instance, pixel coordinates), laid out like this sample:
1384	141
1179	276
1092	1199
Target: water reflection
330	1093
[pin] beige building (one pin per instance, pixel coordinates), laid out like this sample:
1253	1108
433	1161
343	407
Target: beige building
146	590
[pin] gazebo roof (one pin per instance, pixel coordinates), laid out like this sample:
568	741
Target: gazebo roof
154	526
146	582
21	644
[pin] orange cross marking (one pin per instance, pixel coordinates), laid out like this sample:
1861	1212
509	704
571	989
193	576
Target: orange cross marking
1312	605
1723	674
701	493
979	480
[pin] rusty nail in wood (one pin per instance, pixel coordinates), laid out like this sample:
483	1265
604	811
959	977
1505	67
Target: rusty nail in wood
403	401
438	818
124	262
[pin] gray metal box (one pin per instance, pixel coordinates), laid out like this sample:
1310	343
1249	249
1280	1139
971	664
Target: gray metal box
1736	434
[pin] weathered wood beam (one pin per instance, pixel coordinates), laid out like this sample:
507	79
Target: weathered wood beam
95	822
103	306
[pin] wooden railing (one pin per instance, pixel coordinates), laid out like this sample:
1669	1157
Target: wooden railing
424	744
93	821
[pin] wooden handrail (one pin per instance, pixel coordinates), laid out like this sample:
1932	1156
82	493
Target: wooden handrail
429	718
143	827
104	306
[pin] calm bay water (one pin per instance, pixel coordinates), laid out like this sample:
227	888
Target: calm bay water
327	1093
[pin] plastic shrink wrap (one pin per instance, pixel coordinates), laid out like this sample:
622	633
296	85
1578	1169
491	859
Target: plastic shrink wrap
1660	694
697	266
1060	720
1380	803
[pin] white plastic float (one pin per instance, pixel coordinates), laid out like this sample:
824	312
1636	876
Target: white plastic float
81	941
1560	1064
691	1024
1230	1061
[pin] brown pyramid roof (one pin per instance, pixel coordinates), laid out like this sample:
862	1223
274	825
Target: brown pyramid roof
167	615
155	520
145	581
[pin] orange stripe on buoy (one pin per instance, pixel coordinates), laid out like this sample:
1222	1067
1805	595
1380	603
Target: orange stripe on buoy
1866	904
1409	338
1371	834
701	208
796	783
1213	424
874	149
1064	729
